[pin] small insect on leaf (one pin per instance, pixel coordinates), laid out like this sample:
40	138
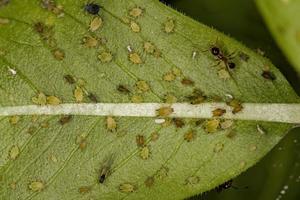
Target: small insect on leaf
84	189
136	12
14	152
196	97
92	8
111	124
169	26
212	125
69	79
36	186
218	112
95	24
123	89
65	119
105	57
135	58
53	100
93	97
192	180
236	106
90	41
179	123
78	94
268	75
187	82
140	140
165	111
145	153
135	27
149	182
105	170
142	86
243	56
127	188
13	120
189	136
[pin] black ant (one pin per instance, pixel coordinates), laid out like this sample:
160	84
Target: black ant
221	57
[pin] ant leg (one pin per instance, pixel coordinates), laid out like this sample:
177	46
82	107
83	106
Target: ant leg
231	55
218	63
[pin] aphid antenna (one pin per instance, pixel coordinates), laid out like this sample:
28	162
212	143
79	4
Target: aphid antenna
239	188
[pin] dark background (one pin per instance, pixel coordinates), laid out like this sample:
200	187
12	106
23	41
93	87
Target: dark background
277	176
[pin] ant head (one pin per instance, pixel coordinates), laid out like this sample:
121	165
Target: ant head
231	65
215	50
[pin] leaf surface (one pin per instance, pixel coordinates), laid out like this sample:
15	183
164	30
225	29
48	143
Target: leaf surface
56	157
280	16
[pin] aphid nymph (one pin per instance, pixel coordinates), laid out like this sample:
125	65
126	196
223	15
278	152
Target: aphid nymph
92	8
65	119
69	79
105	170
93	97
268	75
123	89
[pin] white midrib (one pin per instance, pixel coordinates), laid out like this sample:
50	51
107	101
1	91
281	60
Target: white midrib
285	113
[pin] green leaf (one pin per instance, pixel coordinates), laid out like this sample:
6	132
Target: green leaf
45	59
241	20
281	18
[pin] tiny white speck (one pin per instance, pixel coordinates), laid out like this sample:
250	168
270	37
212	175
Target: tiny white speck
160	121
194	54
282	192
260	130
129	48
229	96
12	71
286	187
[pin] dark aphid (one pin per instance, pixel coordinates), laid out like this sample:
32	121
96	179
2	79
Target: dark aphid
140	140
244	56
39	27
65	119
199	122
102	177
92	8
224	186
179	123
196	97
105	170
187	82
93	98
69	79
268	75
123	89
